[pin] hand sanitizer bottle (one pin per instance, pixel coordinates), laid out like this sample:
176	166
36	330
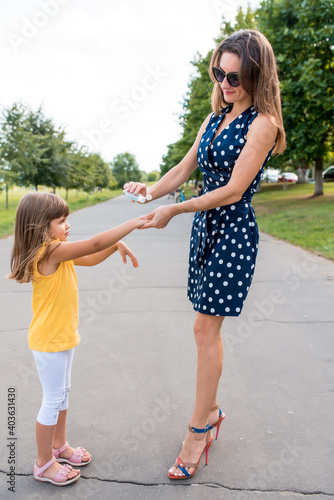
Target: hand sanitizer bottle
140	198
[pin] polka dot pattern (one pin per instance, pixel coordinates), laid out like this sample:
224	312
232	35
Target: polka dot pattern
224	240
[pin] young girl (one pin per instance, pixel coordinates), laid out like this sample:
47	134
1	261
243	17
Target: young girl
41	254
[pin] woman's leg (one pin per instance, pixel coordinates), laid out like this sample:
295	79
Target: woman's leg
51	369
210	352
209	367
59	438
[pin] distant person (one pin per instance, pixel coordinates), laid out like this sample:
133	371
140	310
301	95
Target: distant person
232	148
199	190
41	254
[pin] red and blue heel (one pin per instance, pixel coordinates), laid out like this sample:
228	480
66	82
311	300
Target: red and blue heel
219	421
184	465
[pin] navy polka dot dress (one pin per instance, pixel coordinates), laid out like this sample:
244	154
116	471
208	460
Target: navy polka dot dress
224	240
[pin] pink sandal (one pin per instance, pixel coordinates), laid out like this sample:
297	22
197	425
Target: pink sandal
76	458
60	479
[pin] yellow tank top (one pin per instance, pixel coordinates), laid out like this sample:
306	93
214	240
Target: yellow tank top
55	305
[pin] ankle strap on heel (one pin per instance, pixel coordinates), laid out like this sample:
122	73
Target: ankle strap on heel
193	429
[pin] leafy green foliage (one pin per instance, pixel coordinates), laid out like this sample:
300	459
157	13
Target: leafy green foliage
125	168
11	133
33	152
153	176
302	35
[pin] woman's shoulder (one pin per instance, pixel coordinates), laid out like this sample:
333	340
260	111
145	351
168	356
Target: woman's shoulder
262	128
264	122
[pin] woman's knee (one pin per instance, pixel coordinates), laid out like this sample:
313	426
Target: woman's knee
207	330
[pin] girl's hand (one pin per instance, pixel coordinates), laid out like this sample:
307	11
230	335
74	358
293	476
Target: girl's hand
124	251
136	188
159	218
140	221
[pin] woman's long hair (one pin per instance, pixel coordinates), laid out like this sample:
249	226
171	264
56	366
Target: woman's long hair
257	75
33	216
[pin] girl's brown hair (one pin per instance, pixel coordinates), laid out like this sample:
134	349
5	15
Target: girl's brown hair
257	75
33	216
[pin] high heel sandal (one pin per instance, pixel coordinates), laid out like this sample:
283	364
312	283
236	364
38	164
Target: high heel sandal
182	465
219	421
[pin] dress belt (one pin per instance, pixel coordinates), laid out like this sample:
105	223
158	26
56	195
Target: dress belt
200	237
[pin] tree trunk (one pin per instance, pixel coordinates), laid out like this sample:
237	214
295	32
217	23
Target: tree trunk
319	185
303	172
7	204
66	198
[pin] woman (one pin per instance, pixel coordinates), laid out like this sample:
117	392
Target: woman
232	147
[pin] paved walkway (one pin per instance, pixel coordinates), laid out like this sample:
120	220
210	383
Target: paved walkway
134	374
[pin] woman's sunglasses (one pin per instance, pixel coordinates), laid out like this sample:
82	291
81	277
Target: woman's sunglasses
232	78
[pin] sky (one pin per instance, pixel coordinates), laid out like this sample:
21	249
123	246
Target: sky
112	73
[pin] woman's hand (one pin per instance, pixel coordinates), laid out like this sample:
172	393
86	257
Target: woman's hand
159	218
125	251
136	188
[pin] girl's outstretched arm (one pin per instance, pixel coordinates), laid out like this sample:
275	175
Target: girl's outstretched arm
96	258
102	241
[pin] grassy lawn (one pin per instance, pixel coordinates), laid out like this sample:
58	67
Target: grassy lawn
294	216
75	202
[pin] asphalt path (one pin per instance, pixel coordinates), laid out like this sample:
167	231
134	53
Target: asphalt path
133	377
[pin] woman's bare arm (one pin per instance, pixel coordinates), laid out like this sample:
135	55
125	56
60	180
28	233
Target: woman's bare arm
260	139
175	177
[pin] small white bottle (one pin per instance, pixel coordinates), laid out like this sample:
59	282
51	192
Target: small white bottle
140	198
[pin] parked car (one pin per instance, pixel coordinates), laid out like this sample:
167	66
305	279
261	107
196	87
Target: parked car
288	177
328	174
270	175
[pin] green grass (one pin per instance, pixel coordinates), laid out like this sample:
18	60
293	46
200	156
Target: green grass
296	216
76	200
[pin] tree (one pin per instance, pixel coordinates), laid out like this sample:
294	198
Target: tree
153	176
196	106
87	180
101	171
302	35
125	168
13	145
34	152
74	173
48	161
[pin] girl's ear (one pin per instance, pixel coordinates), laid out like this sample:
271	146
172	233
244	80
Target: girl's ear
48	232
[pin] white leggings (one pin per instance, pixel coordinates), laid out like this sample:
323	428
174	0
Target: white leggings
54	371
